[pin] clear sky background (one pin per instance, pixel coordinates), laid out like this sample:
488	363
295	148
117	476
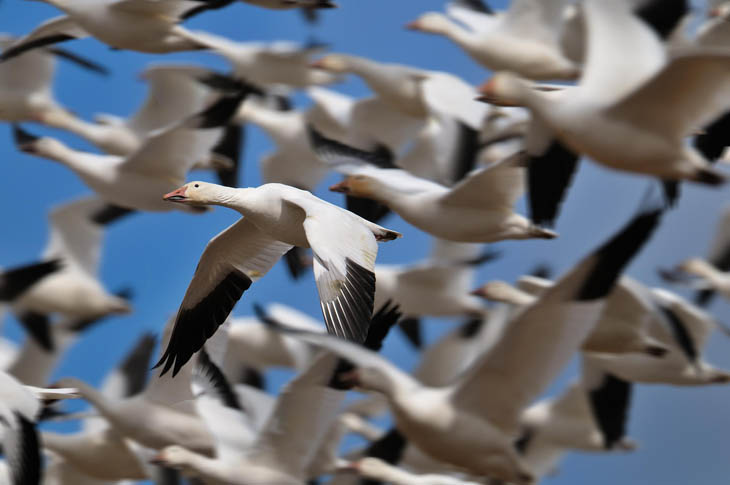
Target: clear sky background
682	432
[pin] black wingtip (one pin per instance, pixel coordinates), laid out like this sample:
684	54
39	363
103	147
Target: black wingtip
614	255
542	270
471	327
38	327
475	5
663	16
297	262
34	44
368	209
16	280
467	151
331	149
380	324
548	177
253	377
110	213
389	447
411	329
79	60
222	387
486	256
230	147
671	192
609	405
27	470
23	138
206	5
135	363
713	141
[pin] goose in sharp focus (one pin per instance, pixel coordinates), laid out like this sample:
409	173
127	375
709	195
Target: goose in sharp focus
275	218
20	407
477	209
159	165
624	323
471	425
137	25
628	56
25	84
525	39
74	291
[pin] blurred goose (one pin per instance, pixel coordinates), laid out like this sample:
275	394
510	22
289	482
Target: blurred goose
412	91
588	118
138	25
282	63
683	329
20	407
160	164
477	209
525	39
275	218
467	424
26	92
376	469
622	328
714	272
74	291
98	452
282	450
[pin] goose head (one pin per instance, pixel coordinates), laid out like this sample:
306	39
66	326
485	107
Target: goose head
503	292
333	63
356	185
42	146
432	23
196	193
505	89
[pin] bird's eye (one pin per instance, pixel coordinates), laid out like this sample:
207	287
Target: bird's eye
197	185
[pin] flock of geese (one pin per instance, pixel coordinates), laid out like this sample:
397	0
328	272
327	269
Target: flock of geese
639	86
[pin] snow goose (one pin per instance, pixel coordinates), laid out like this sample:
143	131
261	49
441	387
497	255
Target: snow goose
25	84
412	91
98	452
275	218
588	118
477	209
255	343
282	64
281	452
157	166
74	291
14	281
525	39
713	271
622	328
684	329
309	8
377	469
138	25
163	414
467	424
20	407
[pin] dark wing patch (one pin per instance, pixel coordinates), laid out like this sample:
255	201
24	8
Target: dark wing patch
330	149
38	326
24	459
614	255
14	281
368	209
252	377
79	60
222	388
135	364
663	16
715	137
110	213
220	113
680	333
388	447
524	440
610	407
208	5
348	315
297	261
195	325
671	191
471	328
33	44
466	152
475	5
230	147
411	328
548	178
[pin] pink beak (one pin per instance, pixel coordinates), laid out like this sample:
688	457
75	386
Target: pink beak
478	292
341	187
317	64
176	195
413	25
486	91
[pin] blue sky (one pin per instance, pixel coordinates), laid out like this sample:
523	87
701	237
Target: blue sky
681	431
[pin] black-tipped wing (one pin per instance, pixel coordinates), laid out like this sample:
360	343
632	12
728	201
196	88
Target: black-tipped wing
110	213
79	60
609	403
217	383
474	5
411	328
231	261
14	281
466	151
22	451
229	147
714	138
663	16
38	326
336	153
297	261
53	31
548	178
680	333
133	369
368	209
